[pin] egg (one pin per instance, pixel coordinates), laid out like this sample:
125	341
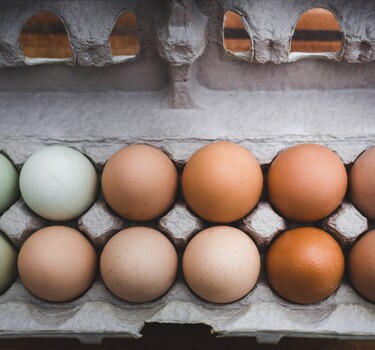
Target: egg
361	265
9	190
57	263
140	182
221	264
58	183
362	183
305	265
139	264
222	182
8	263
306	182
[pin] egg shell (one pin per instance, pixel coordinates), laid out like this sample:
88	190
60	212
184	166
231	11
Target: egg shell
140	182
306	182
8	263
57	263
139	264
222	182
305	265
362	183
9	190
221	264
58	183
361	265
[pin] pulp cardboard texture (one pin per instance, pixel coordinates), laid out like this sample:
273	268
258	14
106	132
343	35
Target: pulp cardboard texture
180	92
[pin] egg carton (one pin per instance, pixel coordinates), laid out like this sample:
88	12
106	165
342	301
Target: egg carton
182	91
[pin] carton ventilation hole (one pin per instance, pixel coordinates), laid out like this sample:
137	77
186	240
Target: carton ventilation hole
317	31
44	36
236	38
124	39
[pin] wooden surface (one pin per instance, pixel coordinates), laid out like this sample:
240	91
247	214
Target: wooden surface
181	337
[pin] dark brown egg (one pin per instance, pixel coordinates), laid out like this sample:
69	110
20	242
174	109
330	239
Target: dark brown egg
361	265
305	265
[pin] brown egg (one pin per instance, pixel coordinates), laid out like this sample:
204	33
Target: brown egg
222	182
140	182
362	183
305	265
306	182
57	263
361	265
138	264
221	264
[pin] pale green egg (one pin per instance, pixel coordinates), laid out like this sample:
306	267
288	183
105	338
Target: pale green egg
9	189
8	263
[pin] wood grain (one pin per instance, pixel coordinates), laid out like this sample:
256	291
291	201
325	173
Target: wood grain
315	46
44	35
124	45
319	22
237	45
45	45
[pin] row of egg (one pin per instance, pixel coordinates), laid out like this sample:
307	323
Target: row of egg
221	182
220	264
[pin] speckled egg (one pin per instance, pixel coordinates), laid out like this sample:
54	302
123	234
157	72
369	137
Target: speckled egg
305	265
57	263
221	264
139	264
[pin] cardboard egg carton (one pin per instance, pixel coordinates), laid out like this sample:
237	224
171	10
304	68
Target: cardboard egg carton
184	90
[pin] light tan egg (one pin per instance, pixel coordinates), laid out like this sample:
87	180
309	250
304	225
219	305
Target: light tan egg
221	264
57	263
138	264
